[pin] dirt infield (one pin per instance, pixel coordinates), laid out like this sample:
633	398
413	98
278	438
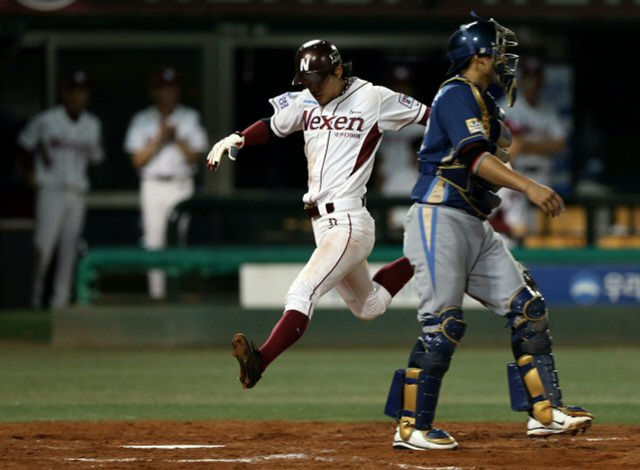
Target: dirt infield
308	445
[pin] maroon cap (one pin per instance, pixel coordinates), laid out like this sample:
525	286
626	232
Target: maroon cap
164	77
76	79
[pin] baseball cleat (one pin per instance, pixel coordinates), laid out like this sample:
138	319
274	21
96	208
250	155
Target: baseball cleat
566	420
249	358
431	439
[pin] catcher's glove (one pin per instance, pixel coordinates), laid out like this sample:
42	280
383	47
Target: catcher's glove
223	146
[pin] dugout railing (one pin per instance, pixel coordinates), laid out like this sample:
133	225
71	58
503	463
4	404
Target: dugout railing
223	232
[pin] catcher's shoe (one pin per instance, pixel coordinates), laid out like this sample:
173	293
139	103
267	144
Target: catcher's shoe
566	420
431	439
249	358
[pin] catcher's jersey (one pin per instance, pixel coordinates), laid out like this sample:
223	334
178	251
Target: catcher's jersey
455	121
63	147
170	160
342	137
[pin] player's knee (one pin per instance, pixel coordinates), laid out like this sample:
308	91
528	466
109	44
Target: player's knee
374	305
301	303
528	318
442	334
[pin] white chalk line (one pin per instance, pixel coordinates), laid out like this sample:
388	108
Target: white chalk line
176	446
598	439
103	460
259	458
256	459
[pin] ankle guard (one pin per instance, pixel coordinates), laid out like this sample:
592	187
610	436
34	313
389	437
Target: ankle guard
412	400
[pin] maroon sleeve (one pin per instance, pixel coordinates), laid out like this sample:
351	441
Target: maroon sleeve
425	116
257	133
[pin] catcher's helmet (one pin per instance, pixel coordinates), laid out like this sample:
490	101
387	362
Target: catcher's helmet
484	37
315	60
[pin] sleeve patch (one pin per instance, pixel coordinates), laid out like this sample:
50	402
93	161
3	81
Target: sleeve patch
405	100
474	126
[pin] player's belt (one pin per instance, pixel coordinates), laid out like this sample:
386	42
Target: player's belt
316	210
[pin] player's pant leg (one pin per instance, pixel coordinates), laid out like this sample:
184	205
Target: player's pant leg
506	288
436	244
49	213
366	299
340	249
369	298
67	254
342	243
152	196
158	199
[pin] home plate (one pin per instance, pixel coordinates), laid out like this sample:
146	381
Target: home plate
176	446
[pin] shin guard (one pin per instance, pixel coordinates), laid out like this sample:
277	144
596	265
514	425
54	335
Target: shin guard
412	400
532	349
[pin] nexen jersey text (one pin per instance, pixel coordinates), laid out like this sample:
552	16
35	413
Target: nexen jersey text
331	123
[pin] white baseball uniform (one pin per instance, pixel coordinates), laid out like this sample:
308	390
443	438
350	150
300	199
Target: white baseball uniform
539	123
166	179
341	139
63	149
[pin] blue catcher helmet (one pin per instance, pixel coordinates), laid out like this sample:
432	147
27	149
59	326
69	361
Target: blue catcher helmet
489	38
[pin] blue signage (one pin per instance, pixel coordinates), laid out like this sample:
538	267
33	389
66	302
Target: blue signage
580	285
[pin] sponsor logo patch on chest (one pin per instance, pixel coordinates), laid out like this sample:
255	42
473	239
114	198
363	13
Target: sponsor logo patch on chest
331	123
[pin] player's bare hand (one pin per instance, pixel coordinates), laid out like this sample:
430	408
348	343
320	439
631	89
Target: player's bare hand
546	199
224	146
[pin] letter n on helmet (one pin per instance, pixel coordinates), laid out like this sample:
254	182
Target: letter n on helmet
314	60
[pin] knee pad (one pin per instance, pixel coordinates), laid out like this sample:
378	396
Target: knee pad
528	318
412	399
441	335
533	380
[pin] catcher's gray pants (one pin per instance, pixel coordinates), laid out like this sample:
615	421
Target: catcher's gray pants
454	252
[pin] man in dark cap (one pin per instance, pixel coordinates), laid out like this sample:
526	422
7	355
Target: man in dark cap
165	141
63	141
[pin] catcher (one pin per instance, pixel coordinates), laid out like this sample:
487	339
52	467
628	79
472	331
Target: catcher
454	249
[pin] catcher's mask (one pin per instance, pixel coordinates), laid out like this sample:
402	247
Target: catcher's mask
314	61
488	38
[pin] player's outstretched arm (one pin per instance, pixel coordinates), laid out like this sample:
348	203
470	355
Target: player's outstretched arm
491	169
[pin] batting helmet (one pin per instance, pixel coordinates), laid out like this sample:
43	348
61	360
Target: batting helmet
315	60
484	37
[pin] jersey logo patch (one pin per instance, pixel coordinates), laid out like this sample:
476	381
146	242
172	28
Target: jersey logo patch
283	101
474	126
405	100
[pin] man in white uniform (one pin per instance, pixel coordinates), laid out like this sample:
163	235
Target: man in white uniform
64	141
343	119
538	135
165	141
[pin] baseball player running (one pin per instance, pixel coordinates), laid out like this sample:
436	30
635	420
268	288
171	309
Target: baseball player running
454	250
343	119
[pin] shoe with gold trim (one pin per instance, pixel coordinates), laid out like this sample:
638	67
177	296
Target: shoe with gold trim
566	420
431	439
